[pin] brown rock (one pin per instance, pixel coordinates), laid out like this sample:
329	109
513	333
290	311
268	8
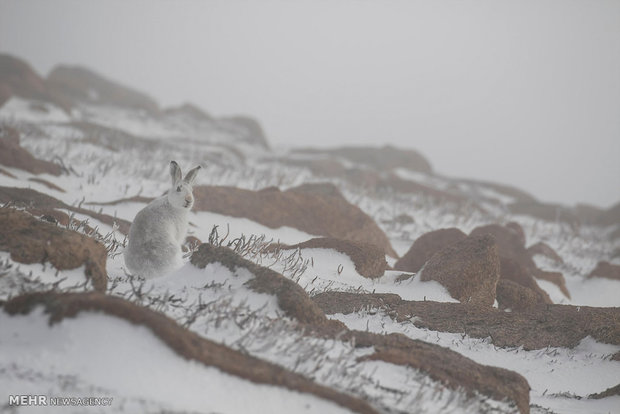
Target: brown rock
13	155
469	269
516	297
17	78
606	270
551	325
185	343
426	246
544	249
79	84
292	299
317	209
510	242
369	260
511	247
512	271
518	230
32	241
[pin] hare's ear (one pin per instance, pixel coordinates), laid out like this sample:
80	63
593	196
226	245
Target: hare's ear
175	172
191	175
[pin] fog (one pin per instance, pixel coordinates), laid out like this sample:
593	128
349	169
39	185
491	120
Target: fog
523	93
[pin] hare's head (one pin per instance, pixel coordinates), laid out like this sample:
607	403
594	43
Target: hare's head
180	195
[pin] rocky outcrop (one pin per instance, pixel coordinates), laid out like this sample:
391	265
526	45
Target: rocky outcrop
79	84
469	269
606	270
34	241
518	264
448	367
183	342
515	297
550	325
426	246
512	271
292	299
369	260
17	78
14	156
317	209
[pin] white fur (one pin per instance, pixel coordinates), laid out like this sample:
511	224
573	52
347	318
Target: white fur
159	229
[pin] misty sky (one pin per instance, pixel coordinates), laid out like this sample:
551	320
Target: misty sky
522	92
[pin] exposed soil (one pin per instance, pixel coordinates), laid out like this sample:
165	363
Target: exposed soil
469	269
33	241
369	259
549	325
184	342
317	209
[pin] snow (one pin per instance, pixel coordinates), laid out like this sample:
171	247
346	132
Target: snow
215	303
17	109
551	372
106	355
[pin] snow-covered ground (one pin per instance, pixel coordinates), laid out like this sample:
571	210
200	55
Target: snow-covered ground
142	374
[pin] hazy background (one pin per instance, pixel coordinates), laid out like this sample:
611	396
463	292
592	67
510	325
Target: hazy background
523	92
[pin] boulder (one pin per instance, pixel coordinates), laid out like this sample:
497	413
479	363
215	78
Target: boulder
469	269
79	84
426	246
34	241
513	296
511	248
512	271
317	209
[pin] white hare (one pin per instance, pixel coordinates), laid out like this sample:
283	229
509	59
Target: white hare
159	229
